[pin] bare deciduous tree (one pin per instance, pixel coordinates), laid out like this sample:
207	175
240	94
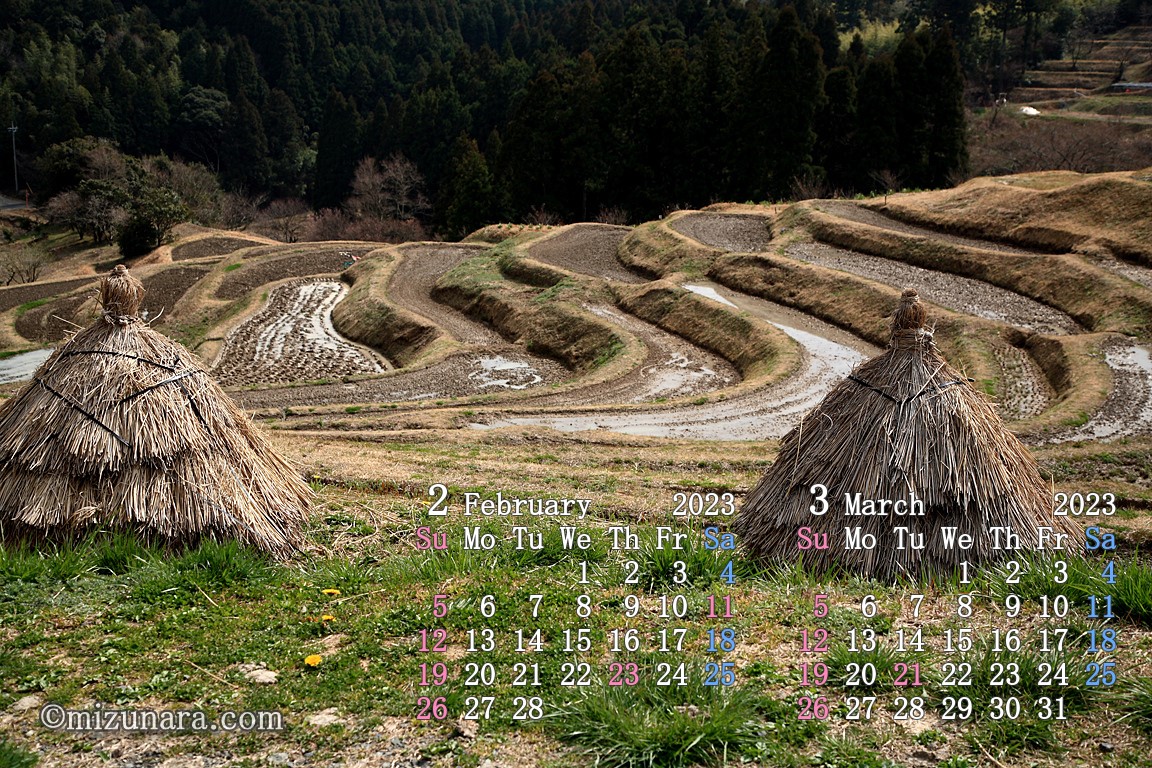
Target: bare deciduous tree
196	185
612	215
888	180
541	216
329	224
809	186
22	263
289	216
239	209
392	189
88	215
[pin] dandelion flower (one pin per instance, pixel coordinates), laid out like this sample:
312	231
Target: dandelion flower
327	617
313	660
331	592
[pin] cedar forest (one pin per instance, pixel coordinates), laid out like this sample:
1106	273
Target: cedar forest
504	109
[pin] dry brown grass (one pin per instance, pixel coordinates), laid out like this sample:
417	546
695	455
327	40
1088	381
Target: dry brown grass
1100	214
657	249
1075	367
1007	142
1093	297
761	352
547	325
1080	379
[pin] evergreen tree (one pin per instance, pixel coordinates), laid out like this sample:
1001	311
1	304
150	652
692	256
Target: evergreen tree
825	29
947	146
531	157
242	75
244	154
200	125
877	143
337	150
468	195
794	80
712	81
836	127
582	138
912	109
636	107
749	127
286	151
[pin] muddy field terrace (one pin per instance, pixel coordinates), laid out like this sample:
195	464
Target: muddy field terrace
585	375
723	324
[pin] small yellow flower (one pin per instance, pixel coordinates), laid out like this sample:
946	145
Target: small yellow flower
313	660
327	617
331	592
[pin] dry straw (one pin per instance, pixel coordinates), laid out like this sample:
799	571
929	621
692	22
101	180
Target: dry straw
903	423
122	429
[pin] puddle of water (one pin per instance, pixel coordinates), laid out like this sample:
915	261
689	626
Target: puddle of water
21	367
499	371
1128	409
710	292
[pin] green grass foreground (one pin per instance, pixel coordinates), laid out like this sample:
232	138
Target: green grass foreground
114	621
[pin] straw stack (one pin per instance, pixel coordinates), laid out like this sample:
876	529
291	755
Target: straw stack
903	423
122	429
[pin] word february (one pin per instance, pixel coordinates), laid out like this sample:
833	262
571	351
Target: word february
513	506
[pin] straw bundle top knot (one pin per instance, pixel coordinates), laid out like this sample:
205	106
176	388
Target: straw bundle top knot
120	295
910	314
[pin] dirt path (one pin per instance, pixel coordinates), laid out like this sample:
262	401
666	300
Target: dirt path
1128	409
411	288
848	210
830	354
737	232
962	294
292	339
587	249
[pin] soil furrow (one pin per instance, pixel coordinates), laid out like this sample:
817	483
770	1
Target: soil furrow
587	249
460	375
961	294
411	288
1128	410
736	232
672	368
851	211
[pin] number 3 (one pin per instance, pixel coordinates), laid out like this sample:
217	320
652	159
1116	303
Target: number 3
821	494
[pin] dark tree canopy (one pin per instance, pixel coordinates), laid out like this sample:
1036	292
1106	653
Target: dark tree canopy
567	106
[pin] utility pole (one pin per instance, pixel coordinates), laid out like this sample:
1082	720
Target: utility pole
15	176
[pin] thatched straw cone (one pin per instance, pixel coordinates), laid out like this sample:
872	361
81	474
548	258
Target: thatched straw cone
122	429
904	425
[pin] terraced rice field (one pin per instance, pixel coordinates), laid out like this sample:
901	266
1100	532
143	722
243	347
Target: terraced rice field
669	384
